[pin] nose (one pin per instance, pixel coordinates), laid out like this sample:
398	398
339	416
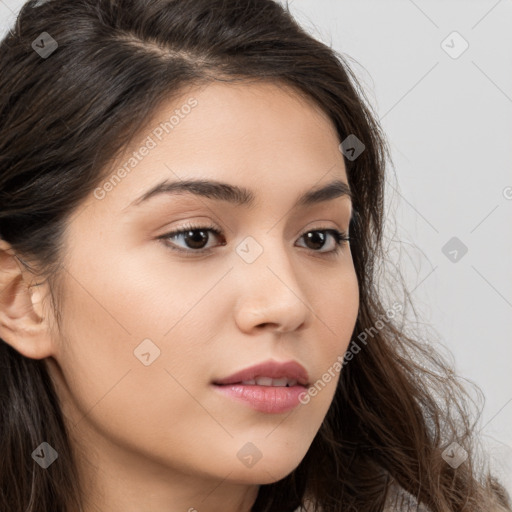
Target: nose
270	295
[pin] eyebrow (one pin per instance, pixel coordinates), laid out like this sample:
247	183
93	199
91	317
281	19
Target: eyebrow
240	196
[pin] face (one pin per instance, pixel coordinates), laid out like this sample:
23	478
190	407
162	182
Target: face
150	320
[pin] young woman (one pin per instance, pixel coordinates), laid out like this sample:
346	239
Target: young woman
191	219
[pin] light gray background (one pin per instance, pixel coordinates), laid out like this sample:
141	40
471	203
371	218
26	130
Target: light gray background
449	125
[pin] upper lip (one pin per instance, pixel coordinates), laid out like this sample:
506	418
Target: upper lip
272	369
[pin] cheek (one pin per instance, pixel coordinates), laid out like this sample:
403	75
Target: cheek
134	392
131	333
335	305
336	308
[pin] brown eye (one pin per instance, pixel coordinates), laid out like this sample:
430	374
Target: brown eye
316	239
194	238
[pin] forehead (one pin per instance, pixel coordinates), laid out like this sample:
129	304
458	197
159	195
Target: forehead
262	136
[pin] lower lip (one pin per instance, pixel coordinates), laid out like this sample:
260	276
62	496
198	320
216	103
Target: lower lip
268	399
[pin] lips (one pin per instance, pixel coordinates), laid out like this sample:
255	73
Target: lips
269	373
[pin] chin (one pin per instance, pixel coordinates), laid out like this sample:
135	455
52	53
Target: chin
266	472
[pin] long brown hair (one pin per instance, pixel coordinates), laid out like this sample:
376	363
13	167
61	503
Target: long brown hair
65	114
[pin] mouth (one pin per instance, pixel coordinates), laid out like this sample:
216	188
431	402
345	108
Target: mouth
269	373
269	387
283	382
267	397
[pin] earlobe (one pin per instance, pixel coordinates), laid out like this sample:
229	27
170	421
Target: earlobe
22	323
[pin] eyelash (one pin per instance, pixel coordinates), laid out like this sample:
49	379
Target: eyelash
340	237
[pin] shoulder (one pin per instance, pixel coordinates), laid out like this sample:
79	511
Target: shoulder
396	501
399	500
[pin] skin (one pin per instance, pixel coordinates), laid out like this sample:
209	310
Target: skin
157	437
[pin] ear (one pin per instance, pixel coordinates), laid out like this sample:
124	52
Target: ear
22	322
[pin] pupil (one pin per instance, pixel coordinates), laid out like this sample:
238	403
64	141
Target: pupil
196	240
316	237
